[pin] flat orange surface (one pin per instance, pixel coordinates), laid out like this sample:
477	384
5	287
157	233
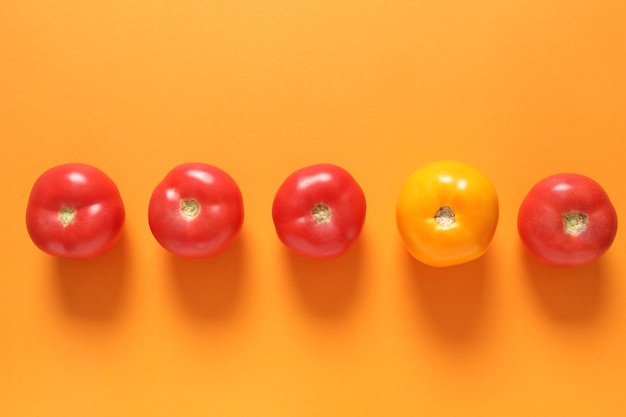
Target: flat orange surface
519	89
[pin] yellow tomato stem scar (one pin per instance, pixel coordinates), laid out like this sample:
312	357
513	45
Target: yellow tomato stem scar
445	217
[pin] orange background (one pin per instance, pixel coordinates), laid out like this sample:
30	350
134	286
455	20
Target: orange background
519	89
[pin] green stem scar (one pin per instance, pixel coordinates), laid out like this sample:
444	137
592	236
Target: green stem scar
321	213
66	215
575	222
445	217
189	207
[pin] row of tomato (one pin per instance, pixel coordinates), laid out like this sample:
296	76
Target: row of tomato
446	214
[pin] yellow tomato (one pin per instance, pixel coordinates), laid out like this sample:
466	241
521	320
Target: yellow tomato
447	213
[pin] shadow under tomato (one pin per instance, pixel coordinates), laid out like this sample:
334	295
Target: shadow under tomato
452	299
327	288
209	288
566	294
93	288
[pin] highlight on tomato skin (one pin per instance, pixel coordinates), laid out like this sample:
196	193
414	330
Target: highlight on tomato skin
74	211
447	213
319	211
196	211
567	220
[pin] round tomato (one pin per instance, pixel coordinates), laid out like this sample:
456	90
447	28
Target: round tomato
74	211
196	211
319	211
567	220
447	213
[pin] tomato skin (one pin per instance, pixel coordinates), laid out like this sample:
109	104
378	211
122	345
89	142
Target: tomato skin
207	231
541	223
98	212
303	193
447	185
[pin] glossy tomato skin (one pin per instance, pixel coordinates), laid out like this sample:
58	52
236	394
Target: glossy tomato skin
74	211
319	211
542	223
447	187
196	211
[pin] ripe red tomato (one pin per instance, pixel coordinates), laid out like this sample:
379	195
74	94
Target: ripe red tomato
74	211
567	220
196	211
319	211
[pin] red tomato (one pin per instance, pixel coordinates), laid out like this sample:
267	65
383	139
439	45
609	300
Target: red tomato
74	211
319	211
567	220
196	211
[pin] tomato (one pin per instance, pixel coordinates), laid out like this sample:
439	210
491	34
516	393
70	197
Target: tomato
447	213
74	211
567	220
196	211
319	211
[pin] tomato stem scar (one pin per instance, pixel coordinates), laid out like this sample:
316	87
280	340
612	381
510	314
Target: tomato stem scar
445	217
321	213
66	215
575	222
189	207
